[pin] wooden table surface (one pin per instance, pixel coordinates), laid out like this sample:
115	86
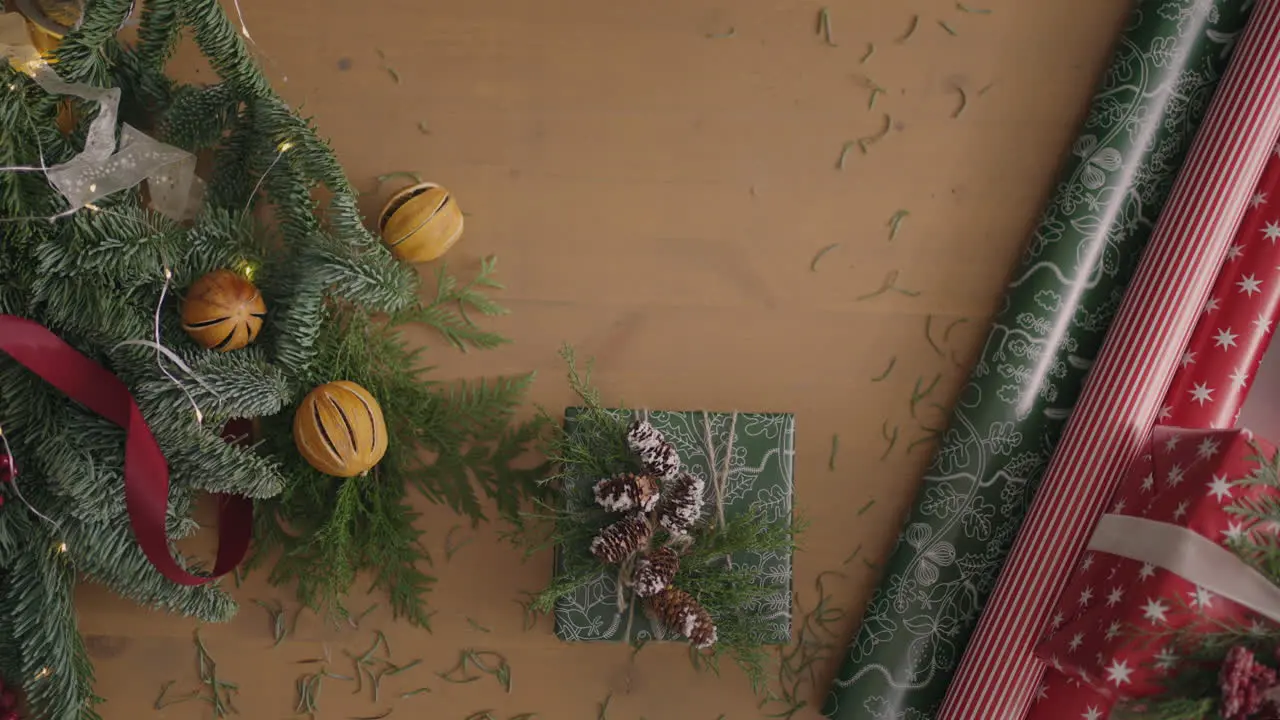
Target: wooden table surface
656	197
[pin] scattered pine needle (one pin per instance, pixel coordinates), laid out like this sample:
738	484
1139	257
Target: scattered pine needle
862	510
868	140
917	394
895	223
835	448
407	174
928	335
477	626
911	29
844	153
976	11
871	101
422	127
731	32
950	30
886	286
824	26
852	555
813	264
603	713
983	90
892	439
892	361
871	50
946	334
964	102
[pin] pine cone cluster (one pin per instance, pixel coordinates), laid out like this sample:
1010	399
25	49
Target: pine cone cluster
658	456
655	571
683	506
679	612
627	492
620	540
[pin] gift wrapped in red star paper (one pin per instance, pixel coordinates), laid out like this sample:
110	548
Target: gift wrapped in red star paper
1159	561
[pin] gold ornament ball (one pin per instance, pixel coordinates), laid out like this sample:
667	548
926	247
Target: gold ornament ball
339	429
223	311
420	223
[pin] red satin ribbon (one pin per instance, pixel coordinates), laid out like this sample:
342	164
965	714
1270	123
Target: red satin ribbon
146	474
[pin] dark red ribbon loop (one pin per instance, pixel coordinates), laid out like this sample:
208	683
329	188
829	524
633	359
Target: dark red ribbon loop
146	473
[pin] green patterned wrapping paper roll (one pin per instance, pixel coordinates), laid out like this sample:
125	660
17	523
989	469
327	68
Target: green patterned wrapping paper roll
761	459
1057	308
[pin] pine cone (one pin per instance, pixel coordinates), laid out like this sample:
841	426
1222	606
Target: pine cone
682	506
661	462
643	437
655	571
627	492
659	457
680	612
618	541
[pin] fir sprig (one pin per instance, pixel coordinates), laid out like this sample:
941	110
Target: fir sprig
568	519
328	531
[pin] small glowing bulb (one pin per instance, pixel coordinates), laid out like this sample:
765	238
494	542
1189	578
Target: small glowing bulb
43	673
62	547
286	146
168	274
93	187
199	416
248	270
92	207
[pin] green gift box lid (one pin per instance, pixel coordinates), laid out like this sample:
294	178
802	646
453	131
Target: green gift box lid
759	478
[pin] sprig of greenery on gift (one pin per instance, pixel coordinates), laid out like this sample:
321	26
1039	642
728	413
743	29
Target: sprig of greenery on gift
597	448
1195	690
336	300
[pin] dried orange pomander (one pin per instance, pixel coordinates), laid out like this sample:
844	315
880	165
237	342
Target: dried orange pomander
340	430
420	223
223	311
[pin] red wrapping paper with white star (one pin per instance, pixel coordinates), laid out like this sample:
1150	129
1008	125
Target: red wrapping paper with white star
1212	381
1108	624
1233	334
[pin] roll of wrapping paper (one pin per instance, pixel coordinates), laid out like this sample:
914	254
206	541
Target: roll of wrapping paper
1057	307
1122	400
1213	378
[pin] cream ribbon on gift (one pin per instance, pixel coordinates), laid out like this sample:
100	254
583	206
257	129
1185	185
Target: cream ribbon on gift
1189	555
103	168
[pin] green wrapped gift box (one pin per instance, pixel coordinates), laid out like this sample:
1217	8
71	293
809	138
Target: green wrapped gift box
759	478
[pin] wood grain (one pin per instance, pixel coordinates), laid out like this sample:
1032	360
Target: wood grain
655	198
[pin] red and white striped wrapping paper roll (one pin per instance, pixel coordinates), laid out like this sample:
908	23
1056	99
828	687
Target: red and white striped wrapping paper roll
998	676
1213	378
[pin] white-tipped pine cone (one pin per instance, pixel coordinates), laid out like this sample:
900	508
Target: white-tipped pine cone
662	462
679	612
655	571
620	540
643	437
658	456
681	507
627	492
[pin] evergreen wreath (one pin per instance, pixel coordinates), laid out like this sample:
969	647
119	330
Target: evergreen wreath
337	302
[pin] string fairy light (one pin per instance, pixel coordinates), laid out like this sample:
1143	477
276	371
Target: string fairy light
161	350
281	149
13	482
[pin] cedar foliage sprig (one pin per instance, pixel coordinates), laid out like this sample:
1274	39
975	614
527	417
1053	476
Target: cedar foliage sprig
567	519
327	532
1192	692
